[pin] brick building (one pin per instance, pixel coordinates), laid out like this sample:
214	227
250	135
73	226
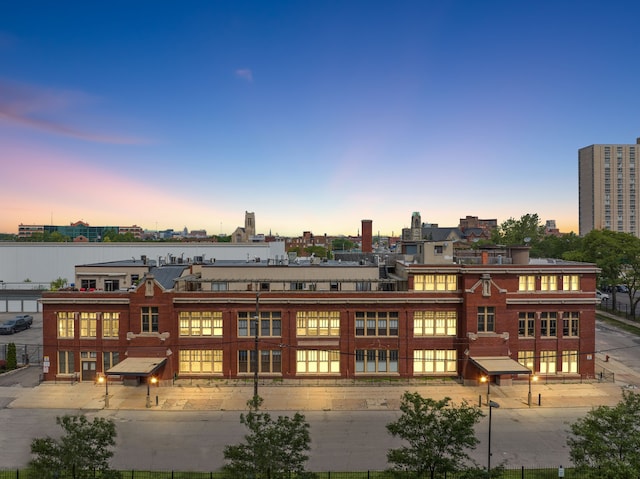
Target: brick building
501	318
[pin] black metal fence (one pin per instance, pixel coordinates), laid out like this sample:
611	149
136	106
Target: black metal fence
498	473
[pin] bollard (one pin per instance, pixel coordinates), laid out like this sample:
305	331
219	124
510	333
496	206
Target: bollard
479	400
156	400
540	399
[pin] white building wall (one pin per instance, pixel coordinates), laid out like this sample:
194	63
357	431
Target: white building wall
45	262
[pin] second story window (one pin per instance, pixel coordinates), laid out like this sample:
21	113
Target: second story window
548	324
88	325
548	283
570	282
527	283
486	319
66	325
374	323
435	282
270	324
526	324
150	319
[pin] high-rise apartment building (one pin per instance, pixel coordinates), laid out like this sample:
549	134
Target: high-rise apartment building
608	182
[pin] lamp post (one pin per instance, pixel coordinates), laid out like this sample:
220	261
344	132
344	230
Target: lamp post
150	380
532	377
487	379
492	404
105	379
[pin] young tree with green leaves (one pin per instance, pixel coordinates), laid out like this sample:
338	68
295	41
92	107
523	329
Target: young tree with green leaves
606	442
273	449
437	436
12	357
83	451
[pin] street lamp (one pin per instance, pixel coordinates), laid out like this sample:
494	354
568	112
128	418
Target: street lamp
150	380
532	378
487	379
105	379
492	404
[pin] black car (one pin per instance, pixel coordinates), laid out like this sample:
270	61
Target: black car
13	326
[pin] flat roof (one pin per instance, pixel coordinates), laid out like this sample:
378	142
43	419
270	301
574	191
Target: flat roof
136	367
496	365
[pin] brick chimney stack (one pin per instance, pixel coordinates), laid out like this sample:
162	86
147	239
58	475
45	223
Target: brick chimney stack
367	236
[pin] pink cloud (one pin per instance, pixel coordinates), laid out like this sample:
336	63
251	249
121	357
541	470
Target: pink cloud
245	73
28	106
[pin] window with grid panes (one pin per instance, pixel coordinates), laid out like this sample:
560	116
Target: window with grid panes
548	324
66	325
435	323
570	323
526	324
200	323
548	283
201	361
269	361
570	282
435	361
527	359
66	362
318	323
110	359
570	362
376	361
435	282
317	362
527	283
376	323
88	325
110	325
270	324
547	362
149	319
486	319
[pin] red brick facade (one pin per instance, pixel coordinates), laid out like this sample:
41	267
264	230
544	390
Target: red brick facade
374	332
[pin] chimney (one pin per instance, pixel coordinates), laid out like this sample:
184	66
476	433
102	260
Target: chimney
485	257
367	236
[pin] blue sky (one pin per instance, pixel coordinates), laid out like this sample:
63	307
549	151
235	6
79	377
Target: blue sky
313	115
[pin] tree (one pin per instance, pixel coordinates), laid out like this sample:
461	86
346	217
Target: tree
618	257
607	440
273	449
12	357
58	284
437	434
83	451
525	230
342	244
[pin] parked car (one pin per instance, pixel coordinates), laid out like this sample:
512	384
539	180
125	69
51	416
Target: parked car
621	288
13	326
27	317
601	296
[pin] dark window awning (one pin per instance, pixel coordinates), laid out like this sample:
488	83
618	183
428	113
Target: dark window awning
136	367
497	365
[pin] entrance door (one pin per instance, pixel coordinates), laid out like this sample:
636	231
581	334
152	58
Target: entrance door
88	370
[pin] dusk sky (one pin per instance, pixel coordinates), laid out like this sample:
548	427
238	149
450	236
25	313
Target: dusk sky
312	114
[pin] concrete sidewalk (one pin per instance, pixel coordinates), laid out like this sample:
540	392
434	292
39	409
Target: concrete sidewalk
277	397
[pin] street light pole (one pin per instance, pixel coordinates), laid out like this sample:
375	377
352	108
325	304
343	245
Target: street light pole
150	380
492	404
532	377
104	378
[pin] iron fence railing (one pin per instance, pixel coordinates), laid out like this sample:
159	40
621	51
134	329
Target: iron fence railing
498	473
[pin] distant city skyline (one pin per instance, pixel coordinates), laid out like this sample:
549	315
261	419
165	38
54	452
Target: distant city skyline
312	115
